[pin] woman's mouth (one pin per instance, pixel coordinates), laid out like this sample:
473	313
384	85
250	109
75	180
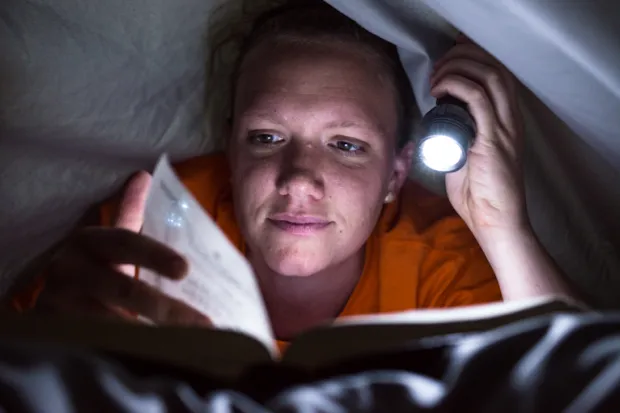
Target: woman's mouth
299	224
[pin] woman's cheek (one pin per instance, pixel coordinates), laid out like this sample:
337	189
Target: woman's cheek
358	194
257	181
362	183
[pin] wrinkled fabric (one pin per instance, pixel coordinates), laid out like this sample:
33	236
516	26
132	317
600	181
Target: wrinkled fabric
567	56
93	90
568	363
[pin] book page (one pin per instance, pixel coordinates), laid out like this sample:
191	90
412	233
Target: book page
450	315
357	336
220	283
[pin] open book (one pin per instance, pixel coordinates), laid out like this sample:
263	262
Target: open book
221	285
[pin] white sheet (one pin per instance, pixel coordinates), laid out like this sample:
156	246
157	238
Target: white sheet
92	90
566	53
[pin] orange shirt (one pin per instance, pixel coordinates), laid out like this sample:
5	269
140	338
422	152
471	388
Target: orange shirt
420	254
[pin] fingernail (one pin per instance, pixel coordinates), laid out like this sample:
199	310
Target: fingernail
196	320
206	322
438	65
180	267
463	39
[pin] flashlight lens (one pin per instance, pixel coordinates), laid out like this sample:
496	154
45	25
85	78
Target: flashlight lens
441	153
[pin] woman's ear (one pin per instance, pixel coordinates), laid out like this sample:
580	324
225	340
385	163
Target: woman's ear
401	168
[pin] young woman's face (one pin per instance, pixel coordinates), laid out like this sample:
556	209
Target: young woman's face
312	153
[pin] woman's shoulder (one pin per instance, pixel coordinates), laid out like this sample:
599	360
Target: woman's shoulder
423	217
207	177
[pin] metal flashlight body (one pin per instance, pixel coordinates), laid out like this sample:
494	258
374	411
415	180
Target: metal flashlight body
447	133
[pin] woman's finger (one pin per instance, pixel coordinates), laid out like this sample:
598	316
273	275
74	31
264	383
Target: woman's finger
75	303
474	52
462	39
71	302
477	100
470	51
130	214
115	289
487	76
119	246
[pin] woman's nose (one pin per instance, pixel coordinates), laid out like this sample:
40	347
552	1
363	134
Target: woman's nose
300	175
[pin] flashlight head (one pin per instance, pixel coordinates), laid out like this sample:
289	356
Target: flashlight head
447	133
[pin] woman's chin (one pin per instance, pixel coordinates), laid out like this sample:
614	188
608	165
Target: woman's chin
297	265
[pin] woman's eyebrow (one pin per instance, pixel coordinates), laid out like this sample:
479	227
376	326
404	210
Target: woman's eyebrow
275	118
271	117
337	124
345	124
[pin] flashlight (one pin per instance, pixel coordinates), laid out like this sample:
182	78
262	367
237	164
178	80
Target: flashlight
447	133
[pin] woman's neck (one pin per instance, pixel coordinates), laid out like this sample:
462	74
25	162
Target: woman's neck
296	304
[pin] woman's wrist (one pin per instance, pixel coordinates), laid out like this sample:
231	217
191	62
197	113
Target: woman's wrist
522	266
511	232
505	249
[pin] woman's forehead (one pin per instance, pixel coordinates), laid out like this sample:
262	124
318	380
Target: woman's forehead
308	65
332	79
312	114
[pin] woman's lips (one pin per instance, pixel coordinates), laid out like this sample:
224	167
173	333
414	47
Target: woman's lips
299	224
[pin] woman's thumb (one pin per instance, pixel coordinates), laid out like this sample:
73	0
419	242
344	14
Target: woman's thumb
131	208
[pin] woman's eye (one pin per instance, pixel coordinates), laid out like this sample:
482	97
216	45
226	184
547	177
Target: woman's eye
266	138
348	147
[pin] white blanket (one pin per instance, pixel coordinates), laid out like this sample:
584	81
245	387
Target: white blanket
90	91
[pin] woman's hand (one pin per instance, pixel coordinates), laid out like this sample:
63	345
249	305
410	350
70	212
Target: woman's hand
488	191
93	272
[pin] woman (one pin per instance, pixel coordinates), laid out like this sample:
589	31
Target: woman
313	190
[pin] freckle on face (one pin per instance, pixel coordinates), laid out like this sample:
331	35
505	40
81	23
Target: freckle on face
308	89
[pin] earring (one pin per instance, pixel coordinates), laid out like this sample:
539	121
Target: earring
389	198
